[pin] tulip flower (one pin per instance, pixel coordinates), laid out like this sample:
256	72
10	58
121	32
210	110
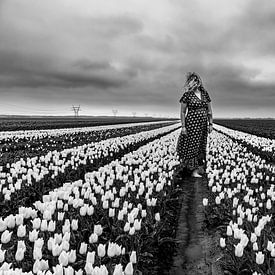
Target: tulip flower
68	271
270	246
58	269
268	204
229	231
65	245
253	237
239	250
83	248
222	242
137	224
36	266
133	257
258	231
6	237
89	269
259	257
21	231
157	217
37	253
132	230
118	269
90	258
2	255
98	229
63	258
44	225
205	202
74	225
129	270
143	213
36	223
10	221
126	227
19	219
19	255
93	238
3	225
101	250
33	235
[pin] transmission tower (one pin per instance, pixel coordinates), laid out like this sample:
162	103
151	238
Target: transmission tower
76	110
134	114
114	112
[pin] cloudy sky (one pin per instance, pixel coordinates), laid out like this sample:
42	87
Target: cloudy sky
133	55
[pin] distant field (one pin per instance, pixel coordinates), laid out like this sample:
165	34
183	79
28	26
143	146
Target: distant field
259	127
38	123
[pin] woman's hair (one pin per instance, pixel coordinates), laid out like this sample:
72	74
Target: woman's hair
198	84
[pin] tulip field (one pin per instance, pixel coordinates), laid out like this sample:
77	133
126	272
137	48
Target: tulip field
102	200
241	201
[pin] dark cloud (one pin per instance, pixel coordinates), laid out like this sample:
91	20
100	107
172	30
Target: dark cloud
138	54
35	71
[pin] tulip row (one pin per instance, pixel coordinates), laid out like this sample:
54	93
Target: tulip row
16	147
104	224
242	200
25	181
48	133
258	145
259	127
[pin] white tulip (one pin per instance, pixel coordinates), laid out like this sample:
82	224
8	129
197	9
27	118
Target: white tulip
222	242
205	202
6	237
101	250
129	270
259	257
239	250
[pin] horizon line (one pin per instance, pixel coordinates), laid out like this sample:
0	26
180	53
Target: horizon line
80	116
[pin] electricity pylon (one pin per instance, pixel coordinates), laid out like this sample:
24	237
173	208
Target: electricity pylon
114	112
76	110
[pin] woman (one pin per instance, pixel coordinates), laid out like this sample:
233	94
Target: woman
191	145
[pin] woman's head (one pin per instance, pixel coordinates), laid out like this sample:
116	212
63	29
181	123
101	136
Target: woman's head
193	81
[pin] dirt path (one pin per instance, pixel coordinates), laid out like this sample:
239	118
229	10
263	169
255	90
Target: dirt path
197	249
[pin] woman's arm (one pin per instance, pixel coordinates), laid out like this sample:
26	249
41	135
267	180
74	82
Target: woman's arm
209	114
182	113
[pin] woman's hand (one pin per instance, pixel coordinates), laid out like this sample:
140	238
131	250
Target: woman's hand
210	128
183	130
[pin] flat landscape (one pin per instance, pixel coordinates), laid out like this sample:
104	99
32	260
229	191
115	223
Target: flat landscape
15	123
113	200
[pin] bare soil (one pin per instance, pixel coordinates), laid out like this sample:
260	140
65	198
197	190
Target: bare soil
197	251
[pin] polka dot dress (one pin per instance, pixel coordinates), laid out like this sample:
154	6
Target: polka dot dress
191	148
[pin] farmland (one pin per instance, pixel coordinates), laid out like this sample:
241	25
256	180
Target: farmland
106	200
14	123
259	127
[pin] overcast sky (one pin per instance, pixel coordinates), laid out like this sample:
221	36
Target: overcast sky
133	55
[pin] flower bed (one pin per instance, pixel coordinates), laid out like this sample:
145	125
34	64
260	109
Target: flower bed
242	204
109	223
24	182
23	144
264	147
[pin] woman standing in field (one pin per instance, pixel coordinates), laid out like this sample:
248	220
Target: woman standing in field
191	144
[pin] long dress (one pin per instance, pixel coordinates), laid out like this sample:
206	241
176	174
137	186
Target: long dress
191	148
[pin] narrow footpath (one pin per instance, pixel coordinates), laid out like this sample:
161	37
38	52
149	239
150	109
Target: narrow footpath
197	250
